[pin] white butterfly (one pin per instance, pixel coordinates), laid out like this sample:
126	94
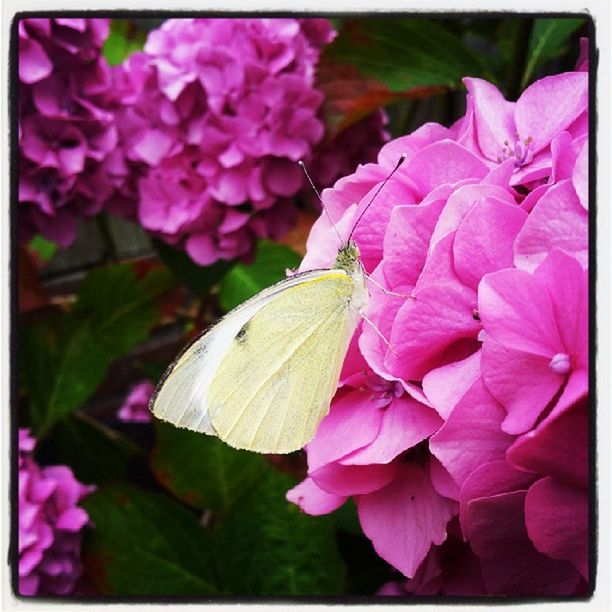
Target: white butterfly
263	377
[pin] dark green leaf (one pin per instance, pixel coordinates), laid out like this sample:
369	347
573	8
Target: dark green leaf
404	54
547	41
244	281
45	248
60	370
268	546
124	38
203	471
145	544
198	278
64	360
120	309
94	452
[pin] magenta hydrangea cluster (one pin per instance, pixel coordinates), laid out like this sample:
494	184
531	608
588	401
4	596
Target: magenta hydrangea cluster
50	524
66	130
214	115
460	428
135	408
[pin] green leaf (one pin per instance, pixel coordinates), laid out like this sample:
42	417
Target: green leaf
121	309
268	546
404	54
94	452
145	544
244	281
547	41
124	38
203	471
198	278
60	370
64	360
45	248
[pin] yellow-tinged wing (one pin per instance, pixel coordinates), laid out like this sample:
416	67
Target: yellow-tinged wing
278	376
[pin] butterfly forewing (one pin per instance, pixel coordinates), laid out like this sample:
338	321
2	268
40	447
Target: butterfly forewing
278	375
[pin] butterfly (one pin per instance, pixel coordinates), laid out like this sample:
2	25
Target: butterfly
263	377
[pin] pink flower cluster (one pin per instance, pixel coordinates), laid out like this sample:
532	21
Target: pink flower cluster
214	115
50	523
460	427
135	408
66	130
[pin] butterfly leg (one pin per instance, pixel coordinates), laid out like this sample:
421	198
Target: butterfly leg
383	289
380	334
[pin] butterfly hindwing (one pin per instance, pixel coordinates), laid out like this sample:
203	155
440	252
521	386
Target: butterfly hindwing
277	378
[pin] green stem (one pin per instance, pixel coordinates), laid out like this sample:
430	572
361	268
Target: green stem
518	61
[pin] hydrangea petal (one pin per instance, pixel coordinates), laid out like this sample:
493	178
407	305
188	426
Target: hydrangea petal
485	239
446	385
471	436
405	423
493	117
312	499
523	383
511	565
405	518
557	521
353	479
559	99
568	232
580	176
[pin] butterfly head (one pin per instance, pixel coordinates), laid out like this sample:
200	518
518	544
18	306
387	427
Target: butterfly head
348	258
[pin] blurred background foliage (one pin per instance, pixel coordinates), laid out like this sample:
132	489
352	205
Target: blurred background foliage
177	513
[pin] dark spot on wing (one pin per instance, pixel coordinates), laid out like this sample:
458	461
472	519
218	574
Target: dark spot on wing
241	335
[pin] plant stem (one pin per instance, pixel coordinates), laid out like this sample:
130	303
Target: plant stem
519	58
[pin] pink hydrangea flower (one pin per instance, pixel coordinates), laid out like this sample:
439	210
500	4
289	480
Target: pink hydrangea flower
523	131
477	339
214	115
50	524
135	408
66	129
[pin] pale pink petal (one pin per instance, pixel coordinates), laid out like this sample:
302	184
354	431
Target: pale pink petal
567	284
353	421
152	146
353	479
516	311
405	423
442	481
445	386
493	117
471	436
426	327
523	383
580	176
461	201
406	242
313	500
557	521
550	105
405	518
485	239
558	220
441	163
510	564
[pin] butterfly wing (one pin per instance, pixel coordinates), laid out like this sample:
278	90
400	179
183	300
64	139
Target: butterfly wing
277	378
181	396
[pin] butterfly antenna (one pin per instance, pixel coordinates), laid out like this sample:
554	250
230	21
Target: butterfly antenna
303	167
400	161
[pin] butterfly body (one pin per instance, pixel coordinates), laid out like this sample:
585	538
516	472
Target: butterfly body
263	377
